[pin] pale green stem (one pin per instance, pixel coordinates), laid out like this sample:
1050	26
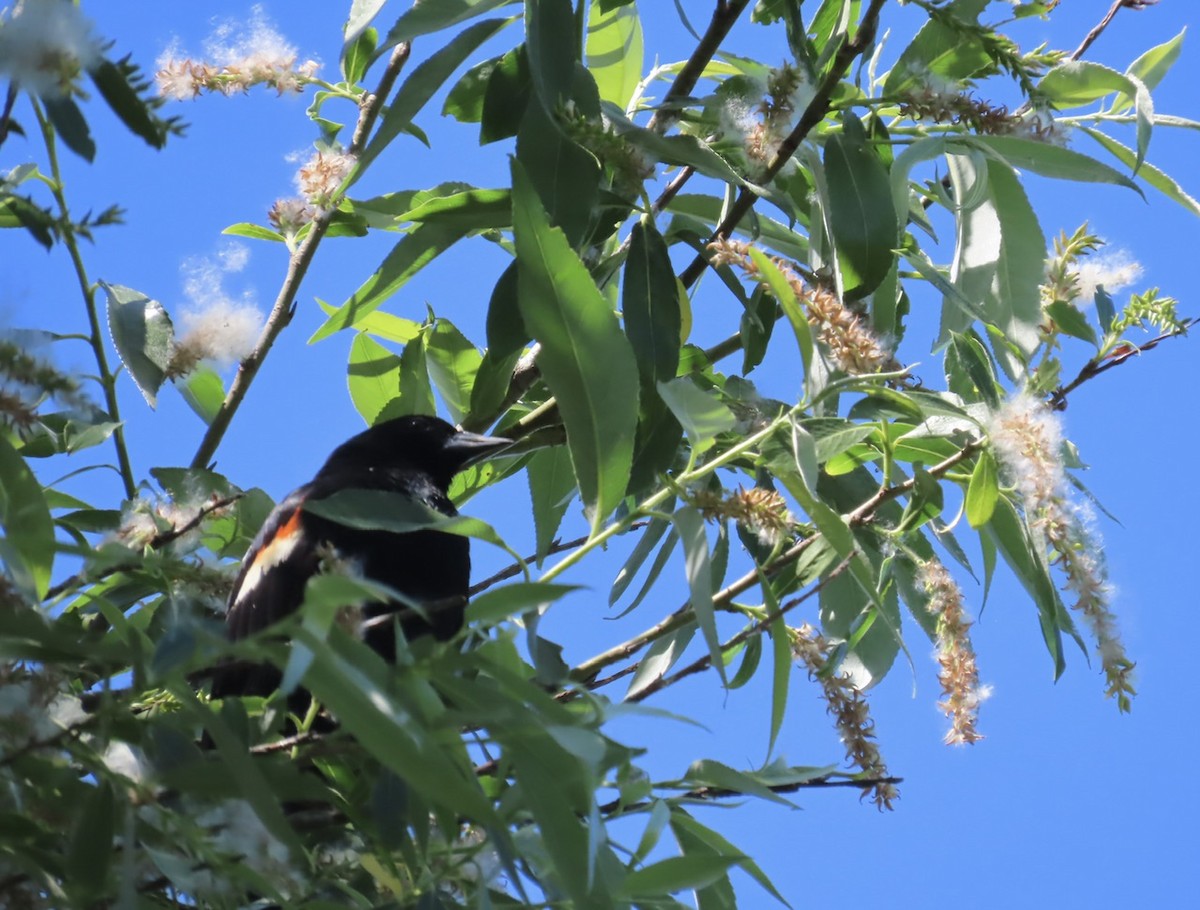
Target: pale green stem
653	502
96	339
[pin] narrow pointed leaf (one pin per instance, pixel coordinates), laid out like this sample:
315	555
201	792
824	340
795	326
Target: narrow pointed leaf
614	51
415	251
27	547
698	568
864	231
585	358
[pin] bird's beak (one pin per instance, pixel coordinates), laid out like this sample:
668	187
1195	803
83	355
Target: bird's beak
472	447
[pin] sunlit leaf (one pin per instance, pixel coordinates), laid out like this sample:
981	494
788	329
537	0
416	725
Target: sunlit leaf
373	376
864	231
614	51
143	335
585	358
701	413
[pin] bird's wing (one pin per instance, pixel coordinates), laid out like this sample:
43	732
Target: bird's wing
274	571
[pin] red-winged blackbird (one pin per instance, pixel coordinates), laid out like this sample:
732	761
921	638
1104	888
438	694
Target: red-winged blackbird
415	456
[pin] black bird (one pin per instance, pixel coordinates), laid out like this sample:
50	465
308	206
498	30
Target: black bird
414	456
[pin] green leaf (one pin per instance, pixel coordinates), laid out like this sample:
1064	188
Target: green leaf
424	82
514	599
679	149
68	121
358	20
677	873
352	680
464	101
782	291
415	251
28	543
551	488
709	773
112	80
983	492
1080	82
453	363
659	658
378	510
865	229
90	851
566	176
242	770
552	44
471	210
17	211
506	98
373	376
204	392
939	50
1054	161
870	629
698	568
253	232
359	51
1007	531
416	391
1070	321
650	304
701	413
686	828
999	256
645	546
1150	68
143	335
1148	172
614	51
387	326
426	18
973	357
781	676
585	358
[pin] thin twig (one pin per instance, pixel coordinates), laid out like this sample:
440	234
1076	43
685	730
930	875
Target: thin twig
158	541
755	628
281	312
587	670
816	111
713	793
1098	30
1094	367
723	18
556	547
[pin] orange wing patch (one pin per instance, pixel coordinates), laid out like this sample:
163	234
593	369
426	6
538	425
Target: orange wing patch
281	545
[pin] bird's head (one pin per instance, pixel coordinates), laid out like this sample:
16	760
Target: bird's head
422	443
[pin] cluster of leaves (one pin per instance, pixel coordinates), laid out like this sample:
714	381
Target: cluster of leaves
482	772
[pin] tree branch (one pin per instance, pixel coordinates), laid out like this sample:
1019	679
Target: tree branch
724	16
281	313
1099	28
816	111
755	628
1097	365
714	793
157	542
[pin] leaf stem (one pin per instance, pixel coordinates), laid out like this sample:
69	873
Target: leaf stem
95	339
285	301
816	111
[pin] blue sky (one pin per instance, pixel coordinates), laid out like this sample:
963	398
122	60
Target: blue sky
1064	802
